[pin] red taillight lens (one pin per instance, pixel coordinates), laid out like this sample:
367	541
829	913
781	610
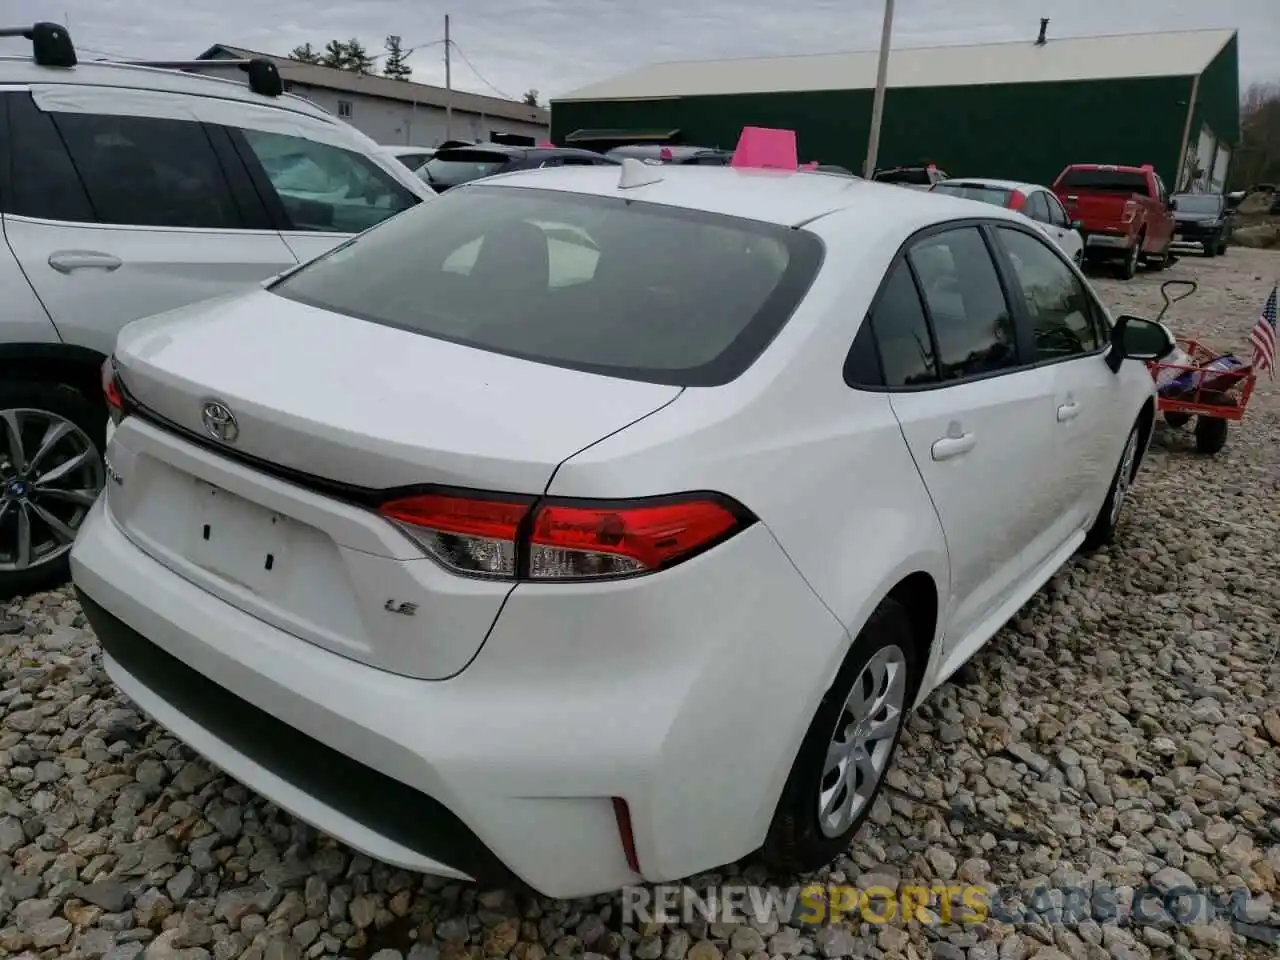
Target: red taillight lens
563	540
1017	200
111	392
468	535
1130	211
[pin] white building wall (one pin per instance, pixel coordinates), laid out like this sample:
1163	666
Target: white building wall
396	123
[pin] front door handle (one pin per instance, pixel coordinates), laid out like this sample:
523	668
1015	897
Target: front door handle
64	261
1068	411
953	445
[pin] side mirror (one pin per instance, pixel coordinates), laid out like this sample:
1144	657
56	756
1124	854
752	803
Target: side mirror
1134	338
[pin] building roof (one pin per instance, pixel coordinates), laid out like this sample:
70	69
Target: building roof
1181	53
331	78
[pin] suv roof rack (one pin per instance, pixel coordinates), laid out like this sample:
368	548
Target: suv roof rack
51	46
50	43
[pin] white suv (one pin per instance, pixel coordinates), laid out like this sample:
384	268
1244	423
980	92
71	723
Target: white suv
126	190
611	518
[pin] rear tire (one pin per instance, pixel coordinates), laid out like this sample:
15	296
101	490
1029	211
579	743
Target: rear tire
1211	434
1128	267
40	409
881	668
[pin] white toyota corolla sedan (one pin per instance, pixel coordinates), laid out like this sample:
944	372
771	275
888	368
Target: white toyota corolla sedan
590	526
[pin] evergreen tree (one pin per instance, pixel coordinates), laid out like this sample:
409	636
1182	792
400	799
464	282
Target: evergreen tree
394	65
305	54
358	59
335	55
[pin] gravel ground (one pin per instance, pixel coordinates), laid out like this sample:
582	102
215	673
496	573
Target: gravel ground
1123	731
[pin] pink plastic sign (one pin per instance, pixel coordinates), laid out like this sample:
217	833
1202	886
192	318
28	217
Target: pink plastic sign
762	147
546	143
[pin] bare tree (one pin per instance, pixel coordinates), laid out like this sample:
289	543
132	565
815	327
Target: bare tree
530	97
1257	159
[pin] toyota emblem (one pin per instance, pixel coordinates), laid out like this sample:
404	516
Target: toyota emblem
219	422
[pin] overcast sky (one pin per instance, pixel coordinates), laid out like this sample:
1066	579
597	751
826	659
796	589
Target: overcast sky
556	46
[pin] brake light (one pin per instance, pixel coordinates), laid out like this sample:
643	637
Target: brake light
1130	211
111	392
514	538
1017	200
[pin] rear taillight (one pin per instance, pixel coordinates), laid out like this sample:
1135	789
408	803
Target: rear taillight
512	538
1017	200
1130	211
111	392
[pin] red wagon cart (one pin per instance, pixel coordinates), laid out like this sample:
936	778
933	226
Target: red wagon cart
1197	381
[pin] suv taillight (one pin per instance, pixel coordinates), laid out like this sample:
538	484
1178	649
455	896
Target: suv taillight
1130	211
556	540
111	392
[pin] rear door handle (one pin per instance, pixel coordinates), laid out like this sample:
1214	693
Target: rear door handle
953	446
64	261
1068	411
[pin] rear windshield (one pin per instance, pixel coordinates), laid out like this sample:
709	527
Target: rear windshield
1110	181
1199	203
461	166
916	175
627	289
992	195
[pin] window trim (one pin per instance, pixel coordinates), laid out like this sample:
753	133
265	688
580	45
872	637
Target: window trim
1026	332
1017	310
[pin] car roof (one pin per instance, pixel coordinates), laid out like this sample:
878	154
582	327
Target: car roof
991	183
785	197
108	73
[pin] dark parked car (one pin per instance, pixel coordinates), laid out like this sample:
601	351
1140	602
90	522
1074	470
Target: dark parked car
682	154
919	176
1202	220
454	165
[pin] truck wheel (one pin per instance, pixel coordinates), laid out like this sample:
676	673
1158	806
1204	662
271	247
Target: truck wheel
1211	434
1209	249
1129	265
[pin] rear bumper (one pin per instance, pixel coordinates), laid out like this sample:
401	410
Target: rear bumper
1107	244
686	694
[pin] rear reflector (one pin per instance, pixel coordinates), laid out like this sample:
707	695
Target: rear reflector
513	538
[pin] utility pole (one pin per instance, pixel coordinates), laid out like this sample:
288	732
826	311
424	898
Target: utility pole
448	83
877	105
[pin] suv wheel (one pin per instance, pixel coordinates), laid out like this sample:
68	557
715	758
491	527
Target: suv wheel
51	471
850	744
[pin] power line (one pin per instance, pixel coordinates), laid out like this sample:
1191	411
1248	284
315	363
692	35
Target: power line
481	76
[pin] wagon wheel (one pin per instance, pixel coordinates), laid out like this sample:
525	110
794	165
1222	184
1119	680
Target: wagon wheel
1211	434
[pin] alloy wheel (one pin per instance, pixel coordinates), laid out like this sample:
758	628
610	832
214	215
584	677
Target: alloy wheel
50	474
863	740
1124	477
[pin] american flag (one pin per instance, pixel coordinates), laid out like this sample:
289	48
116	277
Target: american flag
1263	337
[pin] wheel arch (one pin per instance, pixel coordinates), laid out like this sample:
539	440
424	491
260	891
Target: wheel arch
1146	429
77	367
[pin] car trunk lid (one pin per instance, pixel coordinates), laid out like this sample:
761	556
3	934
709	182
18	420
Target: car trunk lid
332	415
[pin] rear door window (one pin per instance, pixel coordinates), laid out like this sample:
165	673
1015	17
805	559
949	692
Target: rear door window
463	166
902	332
971	319
1036	208
45	184
323	187
593	283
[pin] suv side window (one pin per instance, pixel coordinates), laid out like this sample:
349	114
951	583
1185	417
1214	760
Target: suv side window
1061	311
971	320
902	332
1036	208
147	171
44	181
323	187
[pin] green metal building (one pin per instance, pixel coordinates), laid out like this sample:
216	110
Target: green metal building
1019	110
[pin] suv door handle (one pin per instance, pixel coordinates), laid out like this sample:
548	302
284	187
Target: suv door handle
64	261
953	446
1068	411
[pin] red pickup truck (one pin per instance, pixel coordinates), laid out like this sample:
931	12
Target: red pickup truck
1124	213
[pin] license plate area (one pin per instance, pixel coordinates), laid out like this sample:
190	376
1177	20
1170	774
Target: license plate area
238	540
